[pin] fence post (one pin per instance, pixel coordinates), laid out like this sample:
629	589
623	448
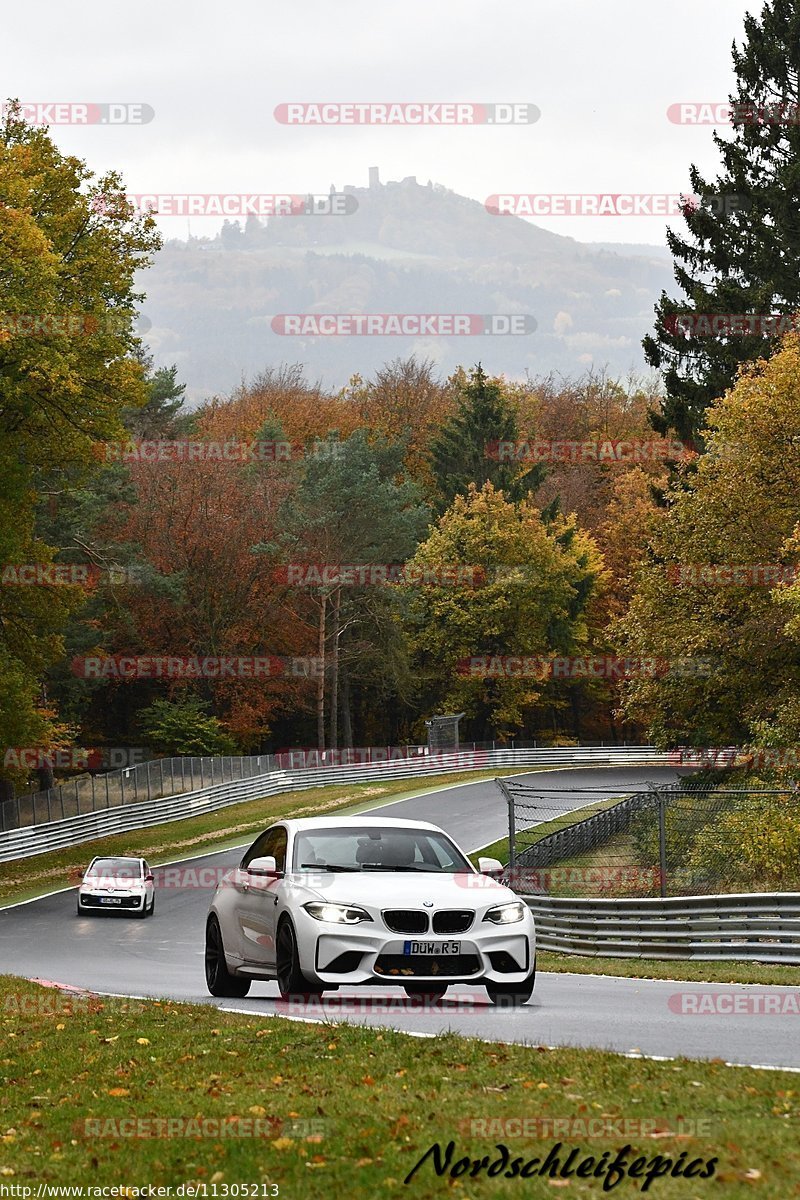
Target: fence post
512	831
662	841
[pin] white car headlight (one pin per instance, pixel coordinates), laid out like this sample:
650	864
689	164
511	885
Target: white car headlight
338	914
506	914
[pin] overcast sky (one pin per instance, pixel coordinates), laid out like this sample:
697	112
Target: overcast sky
602	72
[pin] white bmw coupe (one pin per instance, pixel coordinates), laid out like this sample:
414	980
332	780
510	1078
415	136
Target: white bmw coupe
326	901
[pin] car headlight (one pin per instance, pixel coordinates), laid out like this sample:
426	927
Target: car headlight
338	914
506	914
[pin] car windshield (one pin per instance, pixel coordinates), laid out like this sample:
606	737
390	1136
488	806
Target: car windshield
376	849
118	869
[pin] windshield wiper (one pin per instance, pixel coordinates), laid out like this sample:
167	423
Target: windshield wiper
326	867
390	867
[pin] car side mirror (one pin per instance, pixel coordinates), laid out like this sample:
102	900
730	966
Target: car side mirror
490	866
264	867
148	879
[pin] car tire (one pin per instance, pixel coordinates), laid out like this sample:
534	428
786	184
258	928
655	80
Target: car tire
292	983
512	995
219	980
152	907
430	991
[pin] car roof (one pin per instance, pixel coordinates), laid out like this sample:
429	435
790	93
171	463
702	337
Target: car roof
302	824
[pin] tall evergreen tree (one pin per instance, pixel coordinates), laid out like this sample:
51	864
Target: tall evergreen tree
463	454
741	254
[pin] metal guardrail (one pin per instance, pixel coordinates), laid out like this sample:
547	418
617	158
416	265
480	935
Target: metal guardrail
761	926
72	831
130	785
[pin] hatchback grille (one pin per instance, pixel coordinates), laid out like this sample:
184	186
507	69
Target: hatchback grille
406	920
90	901
454	920
400	966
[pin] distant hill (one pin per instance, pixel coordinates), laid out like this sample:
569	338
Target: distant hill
408	248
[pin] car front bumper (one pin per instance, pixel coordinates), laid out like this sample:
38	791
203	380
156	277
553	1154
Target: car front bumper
111	901
335	955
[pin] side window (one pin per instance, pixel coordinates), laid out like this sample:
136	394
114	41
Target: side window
279	848
272	843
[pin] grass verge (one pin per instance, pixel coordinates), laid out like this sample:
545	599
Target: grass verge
340	1110
651	968
231	826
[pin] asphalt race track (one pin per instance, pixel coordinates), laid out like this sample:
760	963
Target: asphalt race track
163	957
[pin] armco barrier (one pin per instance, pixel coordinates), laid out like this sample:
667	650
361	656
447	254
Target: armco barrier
762	926
72	831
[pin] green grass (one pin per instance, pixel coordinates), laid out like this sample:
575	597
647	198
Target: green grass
651	968
232	826
348	1111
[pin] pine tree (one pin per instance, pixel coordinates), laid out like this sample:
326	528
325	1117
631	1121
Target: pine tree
463	454
742	251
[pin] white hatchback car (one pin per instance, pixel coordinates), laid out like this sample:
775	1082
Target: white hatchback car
117	885
320	902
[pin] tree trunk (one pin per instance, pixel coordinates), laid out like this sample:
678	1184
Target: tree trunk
347	724
321	675
45	778
8	809
334	738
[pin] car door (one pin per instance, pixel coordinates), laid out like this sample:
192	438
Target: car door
256	900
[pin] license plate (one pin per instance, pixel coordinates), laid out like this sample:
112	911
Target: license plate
431	947
111	900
